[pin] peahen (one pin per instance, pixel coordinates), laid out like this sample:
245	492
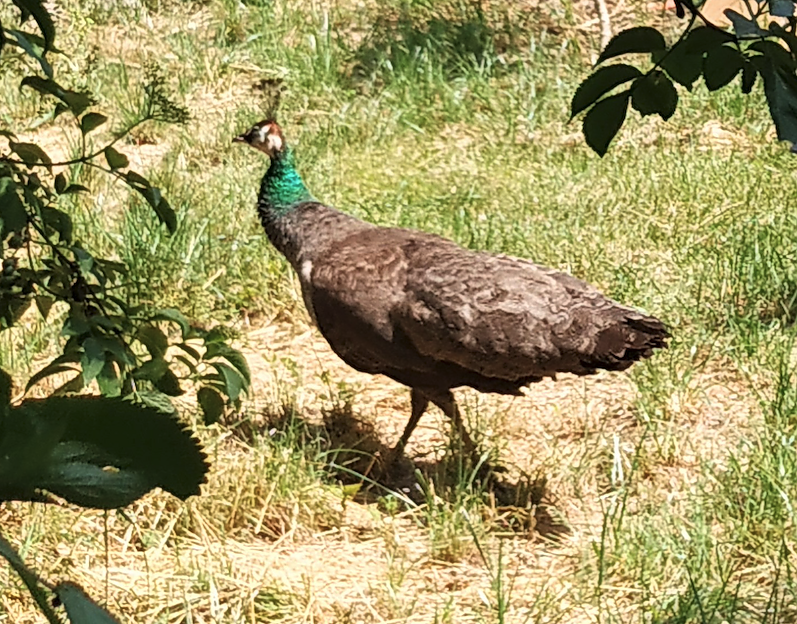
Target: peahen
433	315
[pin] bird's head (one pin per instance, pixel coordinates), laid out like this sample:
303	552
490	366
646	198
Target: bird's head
265	136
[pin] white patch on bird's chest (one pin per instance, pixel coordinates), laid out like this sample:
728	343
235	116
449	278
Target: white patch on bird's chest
305	279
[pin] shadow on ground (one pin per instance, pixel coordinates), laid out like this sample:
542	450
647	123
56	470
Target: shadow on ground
353	454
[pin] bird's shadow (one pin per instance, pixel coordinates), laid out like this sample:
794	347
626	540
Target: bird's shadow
354	455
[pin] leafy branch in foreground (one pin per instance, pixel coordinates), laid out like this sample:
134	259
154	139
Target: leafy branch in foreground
703	50
94	451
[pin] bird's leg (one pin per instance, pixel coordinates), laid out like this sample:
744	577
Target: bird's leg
445	401
419	405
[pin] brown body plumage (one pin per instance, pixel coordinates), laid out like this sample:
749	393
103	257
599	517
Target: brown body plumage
433	315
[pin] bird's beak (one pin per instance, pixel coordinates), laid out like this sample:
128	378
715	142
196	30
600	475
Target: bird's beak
241	138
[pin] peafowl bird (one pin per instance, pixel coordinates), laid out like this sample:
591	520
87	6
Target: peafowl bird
432	315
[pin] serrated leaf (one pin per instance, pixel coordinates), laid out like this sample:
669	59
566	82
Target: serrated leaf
604	121
91	121
654	93
637	40
233	381
96	452
721	65
157	401
80	609
42	17
600	83
211	403
115	159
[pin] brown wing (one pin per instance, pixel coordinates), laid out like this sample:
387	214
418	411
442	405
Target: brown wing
421	309
510	318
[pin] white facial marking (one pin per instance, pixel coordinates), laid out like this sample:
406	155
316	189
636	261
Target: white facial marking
273	143
262	134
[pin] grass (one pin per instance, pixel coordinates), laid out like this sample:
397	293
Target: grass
663	495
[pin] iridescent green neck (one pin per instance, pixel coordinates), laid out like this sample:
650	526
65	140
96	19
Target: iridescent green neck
282	186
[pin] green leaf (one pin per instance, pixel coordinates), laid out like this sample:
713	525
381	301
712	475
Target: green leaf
76	101
169	384
12	210
76	188
29	577
93	359
639	40
91	121
163	210
157	401
96	452
232	380
604	121
749	75
780	89
44	303
683	66
60	183
59	365
42	17
151	370
744	27
26	41
212	404
654	93
80	609
153	339
781	8
174	316
115	159
233	356
58	221
721	65
108	380
30	153
192	353
701	40
599	83
6	388
774	54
